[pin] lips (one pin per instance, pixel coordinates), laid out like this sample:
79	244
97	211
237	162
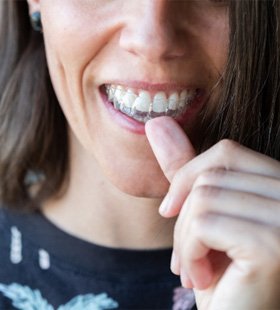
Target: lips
143	105
131	106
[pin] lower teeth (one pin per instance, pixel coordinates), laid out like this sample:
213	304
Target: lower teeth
145	116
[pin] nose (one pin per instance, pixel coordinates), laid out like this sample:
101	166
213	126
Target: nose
152	30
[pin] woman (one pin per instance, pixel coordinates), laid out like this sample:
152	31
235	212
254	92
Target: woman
140	99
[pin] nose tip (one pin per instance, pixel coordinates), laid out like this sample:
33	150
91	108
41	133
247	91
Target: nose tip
153	35
151	44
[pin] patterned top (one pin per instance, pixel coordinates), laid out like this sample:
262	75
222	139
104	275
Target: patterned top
45	268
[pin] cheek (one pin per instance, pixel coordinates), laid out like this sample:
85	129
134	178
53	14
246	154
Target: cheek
216	44
77	30
71	44
209	29
74	34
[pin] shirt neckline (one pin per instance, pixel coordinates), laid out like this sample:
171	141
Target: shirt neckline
87	256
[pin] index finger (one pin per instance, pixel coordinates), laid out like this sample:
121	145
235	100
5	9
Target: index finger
226	155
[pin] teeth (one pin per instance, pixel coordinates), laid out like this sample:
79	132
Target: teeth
183	98
119	93
160	102
173	101
129	98
142	106
143	102
110	92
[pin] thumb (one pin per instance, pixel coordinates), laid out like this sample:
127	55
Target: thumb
170	144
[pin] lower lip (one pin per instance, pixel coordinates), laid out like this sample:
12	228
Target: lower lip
137	127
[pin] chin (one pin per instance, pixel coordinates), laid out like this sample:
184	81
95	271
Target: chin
141	186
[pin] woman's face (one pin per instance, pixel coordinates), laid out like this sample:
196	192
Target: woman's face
150	57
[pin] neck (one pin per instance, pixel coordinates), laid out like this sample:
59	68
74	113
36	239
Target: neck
94	210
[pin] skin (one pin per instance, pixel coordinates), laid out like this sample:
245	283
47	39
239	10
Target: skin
226	238
224	201
174	43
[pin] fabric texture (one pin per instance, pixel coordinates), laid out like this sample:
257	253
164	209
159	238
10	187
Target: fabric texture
45	268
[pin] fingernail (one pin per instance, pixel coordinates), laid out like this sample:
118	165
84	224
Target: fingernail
165	205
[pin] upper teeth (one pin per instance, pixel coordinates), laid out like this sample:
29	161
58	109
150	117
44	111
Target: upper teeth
131	101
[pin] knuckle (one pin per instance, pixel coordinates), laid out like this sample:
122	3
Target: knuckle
203	179
227	145
250	271
205	192
209	177
202	196
225	148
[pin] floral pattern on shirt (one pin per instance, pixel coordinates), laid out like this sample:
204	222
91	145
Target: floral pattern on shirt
24	298
183	299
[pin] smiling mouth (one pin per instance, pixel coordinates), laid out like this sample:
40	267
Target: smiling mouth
143	105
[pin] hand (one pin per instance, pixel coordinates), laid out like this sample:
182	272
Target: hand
227	236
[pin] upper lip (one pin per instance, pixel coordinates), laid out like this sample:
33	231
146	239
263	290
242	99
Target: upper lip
165	86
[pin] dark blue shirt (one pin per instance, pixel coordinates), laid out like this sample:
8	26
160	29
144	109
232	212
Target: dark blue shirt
45	268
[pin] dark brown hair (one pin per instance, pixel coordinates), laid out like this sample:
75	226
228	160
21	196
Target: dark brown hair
33	135
33	130
248	108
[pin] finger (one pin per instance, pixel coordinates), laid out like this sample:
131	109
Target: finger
180	235
175	264
228	192
201	274
239	181
208	199
202	269
185	280
225	155
242	242
170	144
204	199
